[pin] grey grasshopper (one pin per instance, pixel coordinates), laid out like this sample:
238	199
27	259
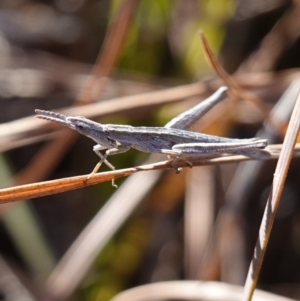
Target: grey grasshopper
169	140
176	143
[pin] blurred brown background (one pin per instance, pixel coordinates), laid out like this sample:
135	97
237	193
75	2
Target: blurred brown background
201	224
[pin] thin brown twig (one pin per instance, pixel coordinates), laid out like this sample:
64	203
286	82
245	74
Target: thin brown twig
273	202
234	88
61	185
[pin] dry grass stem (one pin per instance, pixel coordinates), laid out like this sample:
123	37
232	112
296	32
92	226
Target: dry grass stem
61	185
273	202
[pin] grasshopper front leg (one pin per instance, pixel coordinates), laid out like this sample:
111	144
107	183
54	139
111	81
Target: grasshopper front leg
103	158
97	148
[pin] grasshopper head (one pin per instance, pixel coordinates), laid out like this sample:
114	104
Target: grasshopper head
80	124
90	129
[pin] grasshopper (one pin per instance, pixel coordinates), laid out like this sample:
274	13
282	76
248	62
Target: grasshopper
169	140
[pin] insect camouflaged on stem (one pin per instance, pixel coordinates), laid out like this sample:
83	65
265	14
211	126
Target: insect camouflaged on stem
170	140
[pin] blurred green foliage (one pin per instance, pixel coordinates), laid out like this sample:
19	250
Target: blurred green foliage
147	47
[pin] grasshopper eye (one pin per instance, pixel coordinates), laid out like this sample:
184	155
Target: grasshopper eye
81	126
